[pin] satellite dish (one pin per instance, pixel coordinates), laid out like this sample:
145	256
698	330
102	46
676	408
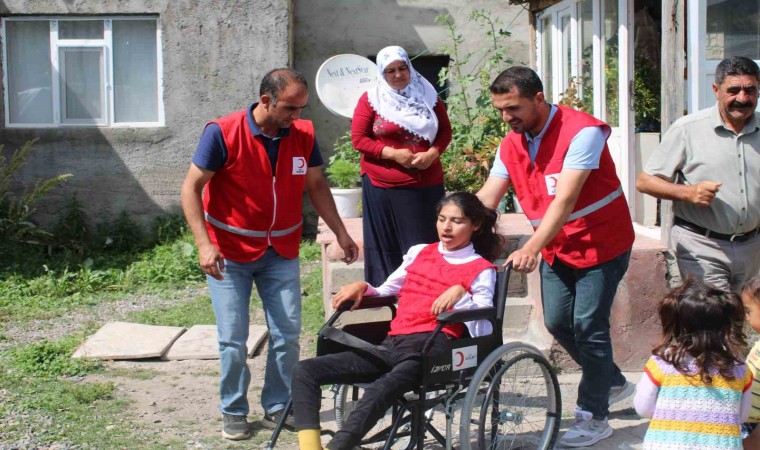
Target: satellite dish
342	79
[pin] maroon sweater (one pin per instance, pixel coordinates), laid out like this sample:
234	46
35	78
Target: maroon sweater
370	133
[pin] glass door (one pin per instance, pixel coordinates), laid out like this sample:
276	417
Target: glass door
585	62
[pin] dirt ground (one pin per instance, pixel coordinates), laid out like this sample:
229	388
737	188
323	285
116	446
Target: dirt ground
179	400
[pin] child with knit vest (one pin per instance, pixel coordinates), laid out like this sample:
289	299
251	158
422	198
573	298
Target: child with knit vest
751	299
463	256
695	386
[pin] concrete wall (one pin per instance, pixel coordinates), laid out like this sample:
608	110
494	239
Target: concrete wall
214	55
327	28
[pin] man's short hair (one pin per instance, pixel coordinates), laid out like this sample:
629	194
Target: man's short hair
526	81
735	66
276	80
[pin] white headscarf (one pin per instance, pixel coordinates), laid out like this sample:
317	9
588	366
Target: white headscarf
411	107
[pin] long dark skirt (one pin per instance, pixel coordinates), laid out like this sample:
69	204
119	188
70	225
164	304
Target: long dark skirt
393	220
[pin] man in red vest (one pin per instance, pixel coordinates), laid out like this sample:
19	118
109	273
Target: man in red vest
242	198
562	172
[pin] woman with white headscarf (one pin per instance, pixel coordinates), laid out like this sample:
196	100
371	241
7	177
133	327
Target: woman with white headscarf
401	128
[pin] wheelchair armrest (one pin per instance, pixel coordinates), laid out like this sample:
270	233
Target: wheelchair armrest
370	302
466	315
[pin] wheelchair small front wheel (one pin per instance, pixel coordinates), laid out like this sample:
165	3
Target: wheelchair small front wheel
512	402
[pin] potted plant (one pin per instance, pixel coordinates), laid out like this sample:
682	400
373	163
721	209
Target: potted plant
343	172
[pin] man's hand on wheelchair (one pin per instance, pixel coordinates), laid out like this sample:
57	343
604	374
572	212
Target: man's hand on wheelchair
448	299
350	292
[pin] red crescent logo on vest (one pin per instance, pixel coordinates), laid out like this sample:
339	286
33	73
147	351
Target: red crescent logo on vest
459	355
299	165
551	183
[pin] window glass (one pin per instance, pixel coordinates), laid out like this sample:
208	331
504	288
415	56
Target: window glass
82	84
733	29
135	71
610	52
80	29
546	61
586	57
29	90
567	53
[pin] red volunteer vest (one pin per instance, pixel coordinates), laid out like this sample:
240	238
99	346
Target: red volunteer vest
427	277
600	227
247	209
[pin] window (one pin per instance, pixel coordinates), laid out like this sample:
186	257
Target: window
82	72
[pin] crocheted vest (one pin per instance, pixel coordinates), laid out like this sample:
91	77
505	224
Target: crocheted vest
690	414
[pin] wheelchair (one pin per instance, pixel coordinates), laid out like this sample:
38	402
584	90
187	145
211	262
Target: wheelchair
506	395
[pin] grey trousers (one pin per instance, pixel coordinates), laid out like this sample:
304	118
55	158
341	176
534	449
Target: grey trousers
724	264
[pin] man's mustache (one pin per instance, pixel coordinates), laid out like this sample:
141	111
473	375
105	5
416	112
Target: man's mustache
742	105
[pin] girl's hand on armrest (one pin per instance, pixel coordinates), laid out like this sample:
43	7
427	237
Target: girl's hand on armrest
448	299
350	292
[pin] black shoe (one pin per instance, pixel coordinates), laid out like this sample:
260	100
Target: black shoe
270	421
235	428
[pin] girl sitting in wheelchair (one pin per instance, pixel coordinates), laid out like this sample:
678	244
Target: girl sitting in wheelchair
463	256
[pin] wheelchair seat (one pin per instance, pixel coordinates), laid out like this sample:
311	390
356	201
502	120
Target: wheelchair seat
507	395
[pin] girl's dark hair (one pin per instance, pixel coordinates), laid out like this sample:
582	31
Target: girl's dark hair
705	323
752	288
486	241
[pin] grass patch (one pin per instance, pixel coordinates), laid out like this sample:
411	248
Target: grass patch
50	285
187	314
67	413
313	312
133	373
48	359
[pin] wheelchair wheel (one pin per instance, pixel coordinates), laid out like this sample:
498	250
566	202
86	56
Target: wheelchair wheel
512	402
346	397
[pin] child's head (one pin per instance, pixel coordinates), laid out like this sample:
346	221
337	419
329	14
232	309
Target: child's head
702	322
463	218
751	301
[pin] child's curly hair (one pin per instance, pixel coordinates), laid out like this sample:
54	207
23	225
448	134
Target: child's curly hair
752	288
704	323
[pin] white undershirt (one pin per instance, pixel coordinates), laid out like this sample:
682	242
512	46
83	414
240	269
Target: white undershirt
482	287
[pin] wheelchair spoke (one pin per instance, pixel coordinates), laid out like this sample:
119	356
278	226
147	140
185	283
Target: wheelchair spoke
515	406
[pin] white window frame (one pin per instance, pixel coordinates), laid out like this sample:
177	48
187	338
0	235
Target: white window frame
701	71
107	94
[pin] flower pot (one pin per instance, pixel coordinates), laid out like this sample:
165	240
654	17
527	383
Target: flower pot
347	201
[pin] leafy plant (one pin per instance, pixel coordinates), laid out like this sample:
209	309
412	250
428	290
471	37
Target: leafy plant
16	226
646	94
477	127
570	97
343	174
343	166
